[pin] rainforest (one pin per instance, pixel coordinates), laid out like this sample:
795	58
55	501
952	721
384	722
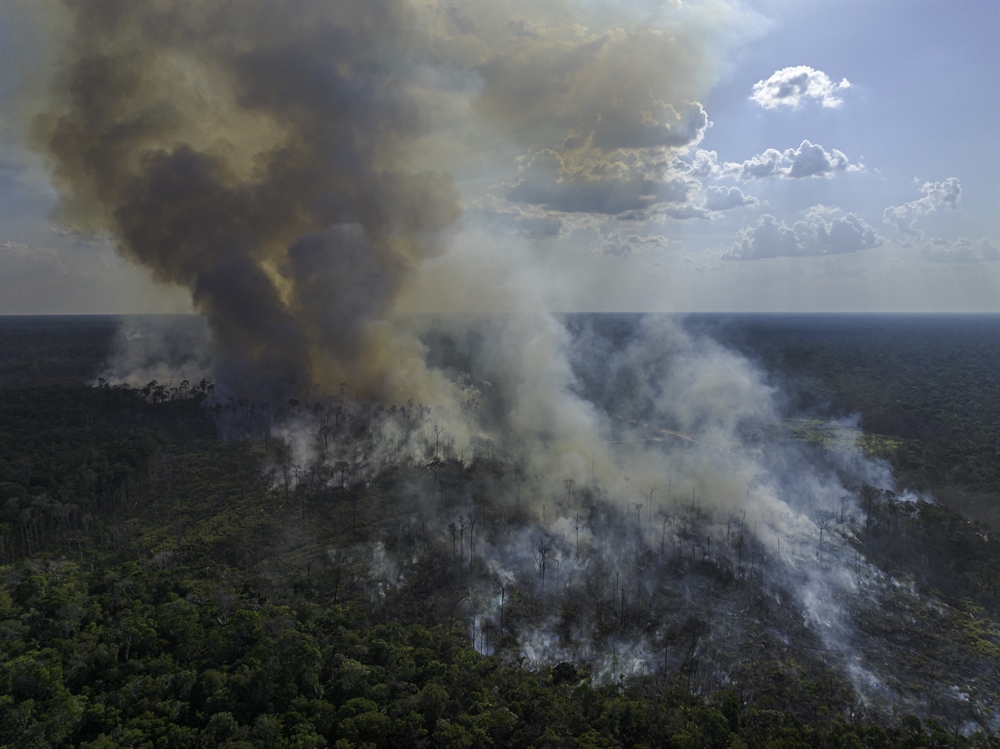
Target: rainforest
186	569
499	374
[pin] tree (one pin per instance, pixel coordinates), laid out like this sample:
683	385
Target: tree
435	467
437	436
342	466
823	521
541	551
339	556
869	499
472	530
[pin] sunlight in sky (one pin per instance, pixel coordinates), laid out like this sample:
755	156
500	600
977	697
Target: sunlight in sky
763	156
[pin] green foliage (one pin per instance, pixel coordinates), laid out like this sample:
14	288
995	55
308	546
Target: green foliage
319	676
932	384
949	555
157	590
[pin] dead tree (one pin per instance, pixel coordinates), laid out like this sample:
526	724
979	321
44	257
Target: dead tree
339	557
503	592
823	523
472	532
541	554
869	496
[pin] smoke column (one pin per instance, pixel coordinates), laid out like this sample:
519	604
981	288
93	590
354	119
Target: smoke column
275	159
289	164
255	153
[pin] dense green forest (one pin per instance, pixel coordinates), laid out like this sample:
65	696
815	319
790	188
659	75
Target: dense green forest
932	383
162	586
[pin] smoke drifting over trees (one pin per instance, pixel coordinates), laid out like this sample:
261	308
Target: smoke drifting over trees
266	160
291	168
271	158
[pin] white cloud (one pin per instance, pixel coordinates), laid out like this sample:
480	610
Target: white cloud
808	160
610	188
789	87
685	211
703	164
632	188
614	244
938	250
937	195
726	198
603	117
605	90
651	124
812	237
531	221
629	187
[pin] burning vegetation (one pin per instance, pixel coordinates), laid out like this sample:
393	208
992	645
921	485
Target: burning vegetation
321	521
332	558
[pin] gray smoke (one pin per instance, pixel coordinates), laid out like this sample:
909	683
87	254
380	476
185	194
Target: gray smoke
258	157
289	163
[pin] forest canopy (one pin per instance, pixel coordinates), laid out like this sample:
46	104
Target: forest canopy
166	583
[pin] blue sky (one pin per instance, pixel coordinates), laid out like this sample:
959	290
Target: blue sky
880	195
923	104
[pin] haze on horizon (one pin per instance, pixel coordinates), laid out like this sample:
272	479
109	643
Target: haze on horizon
613	157
306	176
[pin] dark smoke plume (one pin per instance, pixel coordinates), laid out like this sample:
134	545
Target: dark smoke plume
256	154
264	156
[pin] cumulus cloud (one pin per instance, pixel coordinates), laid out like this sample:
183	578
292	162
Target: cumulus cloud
616	245
658	126
703	163
601	116
686	211
814	236
629	188
603	90
726	198
808	160
938	250
789	87
936	196
500	214
988	249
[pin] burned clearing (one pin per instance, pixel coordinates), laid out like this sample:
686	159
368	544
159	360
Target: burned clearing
160	530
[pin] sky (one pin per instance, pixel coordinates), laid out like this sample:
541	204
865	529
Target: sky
679	157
